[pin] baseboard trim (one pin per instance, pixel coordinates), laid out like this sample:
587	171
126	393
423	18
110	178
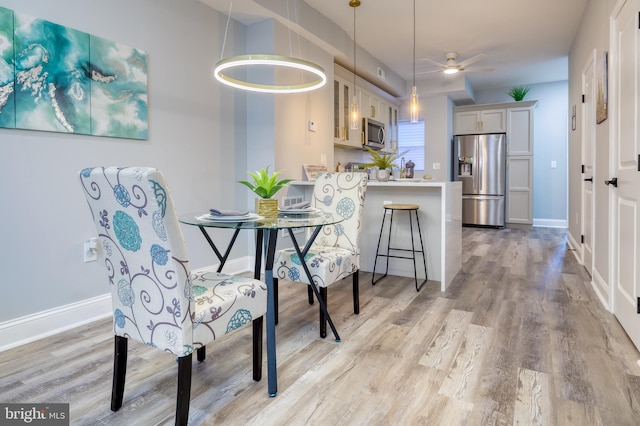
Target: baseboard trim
43	324
601	289
575	247
27	329
550	223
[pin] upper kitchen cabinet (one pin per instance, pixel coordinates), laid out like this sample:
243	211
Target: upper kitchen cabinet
343	136
479	121
520	130
375	104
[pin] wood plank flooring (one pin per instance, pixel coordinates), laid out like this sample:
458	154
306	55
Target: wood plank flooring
518	339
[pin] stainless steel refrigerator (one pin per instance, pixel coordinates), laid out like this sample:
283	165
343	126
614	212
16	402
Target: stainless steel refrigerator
479	162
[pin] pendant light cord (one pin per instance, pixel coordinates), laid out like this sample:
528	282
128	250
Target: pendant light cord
224	41
414	43
354	51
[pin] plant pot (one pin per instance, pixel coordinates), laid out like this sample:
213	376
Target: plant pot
383	175
267	207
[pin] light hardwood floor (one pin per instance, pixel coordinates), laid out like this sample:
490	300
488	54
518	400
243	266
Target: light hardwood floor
519	338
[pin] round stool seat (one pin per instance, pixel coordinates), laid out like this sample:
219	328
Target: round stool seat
401	206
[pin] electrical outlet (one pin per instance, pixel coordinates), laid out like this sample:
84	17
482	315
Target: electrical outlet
90	250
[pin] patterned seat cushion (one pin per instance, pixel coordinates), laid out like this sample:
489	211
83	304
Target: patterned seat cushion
326	264
223	303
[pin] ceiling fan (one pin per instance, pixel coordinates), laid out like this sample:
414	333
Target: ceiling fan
452	67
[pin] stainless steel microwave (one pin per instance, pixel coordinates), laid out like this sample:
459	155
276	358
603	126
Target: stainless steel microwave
373	134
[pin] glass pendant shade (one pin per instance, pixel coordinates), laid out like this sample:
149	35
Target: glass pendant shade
354	114
413	106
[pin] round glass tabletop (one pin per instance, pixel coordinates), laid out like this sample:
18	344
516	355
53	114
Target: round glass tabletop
253	221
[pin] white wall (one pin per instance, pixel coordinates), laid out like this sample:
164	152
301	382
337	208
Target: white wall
194	138
550	185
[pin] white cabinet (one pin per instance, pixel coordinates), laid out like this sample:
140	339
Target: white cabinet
480	121
343	136
520	131
520	189
374	104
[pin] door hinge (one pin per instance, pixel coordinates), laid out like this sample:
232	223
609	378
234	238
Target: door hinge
582	98
638	306
639	162
582	168
581	239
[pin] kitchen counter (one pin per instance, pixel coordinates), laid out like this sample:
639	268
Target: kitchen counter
440	216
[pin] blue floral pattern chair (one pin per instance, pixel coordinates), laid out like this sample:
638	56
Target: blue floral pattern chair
157	299
335	254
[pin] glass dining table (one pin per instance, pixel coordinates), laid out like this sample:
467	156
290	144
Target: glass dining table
266	237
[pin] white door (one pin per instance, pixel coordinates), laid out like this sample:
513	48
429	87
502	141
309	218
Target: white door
625	149
588	145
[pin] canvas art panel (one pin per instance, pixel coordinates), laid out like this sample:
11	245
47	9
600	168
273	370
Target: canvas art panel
56	78
601	89
7	72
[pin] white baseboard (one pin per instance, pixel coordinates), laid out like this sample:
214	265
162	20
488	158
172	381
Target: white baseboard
575	246
550	223
602	289
43	324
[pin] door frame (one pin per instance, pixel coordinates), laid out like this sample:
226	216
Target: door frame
588	109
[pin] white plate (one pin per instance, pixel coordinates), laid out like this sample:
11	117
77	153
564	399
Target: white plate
251	217
299	211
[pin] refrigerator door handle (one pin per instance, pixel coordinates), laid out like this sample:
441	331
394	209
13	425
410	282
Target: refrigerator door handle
482	197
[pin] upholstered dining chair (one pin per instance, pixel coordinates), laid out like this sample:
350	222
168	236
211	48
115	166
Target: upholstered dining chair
157	299
335	254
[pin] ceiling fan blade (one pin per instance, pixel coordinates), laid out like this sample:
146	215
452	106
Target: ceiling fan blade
440	64
480	69
428	71
472	60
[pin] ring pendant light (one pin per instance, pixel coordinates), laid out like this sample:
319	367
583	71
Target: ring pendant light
224	66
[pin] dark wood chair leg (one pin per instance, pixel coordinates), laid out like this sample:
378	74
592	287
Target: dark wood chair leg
257	348
310	295
119	371
356	292
184	390
275	299
323	319
202	353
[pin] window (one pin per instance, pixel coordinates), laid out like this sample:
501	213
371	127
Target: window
411	138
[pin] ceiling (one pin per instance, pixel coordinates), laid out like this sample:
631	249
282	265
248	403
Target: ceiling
525	41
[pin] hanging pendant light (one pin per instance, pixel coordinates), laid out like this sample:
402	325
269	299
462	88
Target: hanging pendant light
413	104
273	63
354	109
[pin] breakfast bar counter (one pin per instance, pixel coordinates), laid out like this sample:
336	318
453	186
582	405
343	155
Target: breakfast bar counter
440	216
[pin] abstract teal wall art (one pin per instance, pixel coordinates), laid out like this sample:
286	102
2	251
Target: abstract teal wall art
52	94
55	78
7	71
118	90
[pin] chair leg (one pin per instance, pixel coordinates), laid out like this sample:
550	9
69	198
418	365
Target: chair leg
257	348
119	371
356	292
323	319
184	390
275	300
202	353
310	295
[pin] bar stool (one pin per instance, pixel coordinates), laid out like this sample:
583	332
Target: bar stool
408	208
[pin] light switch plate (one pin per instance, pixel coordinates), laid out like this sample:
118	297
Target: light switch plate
436	166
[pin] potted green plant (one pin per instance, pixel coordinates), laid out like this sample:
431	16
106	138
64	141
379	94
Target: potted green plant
384	161
518	93
265	186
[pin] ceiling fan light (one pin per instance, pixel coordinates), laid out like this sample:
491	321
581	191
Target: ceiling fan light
451	70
